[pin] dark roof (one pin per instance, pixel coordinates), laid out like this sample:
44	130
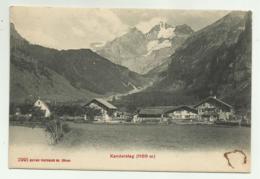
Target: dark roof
151	111
188	108
214	100
103	102
157	110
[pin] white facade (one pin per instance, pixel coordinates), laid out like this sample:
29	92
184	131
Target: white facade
43	106
212	112
182	114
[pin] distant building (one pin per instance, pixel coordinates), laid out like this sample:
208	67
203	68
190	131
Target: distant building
123	116
108	110
182	113
43	107
212	109
151	114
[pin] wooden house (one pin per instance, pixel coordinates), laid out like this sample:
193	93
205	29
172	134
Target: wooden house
182	113
107	110
43	107
152	114
212	109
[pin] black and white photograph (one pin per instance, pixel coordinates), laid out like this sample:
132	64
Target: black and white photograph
130	89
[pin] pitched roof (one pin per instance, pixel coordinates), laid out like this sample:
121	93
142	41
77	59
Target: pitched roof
103	102
155	110
176	108
214	99
151	111
158	110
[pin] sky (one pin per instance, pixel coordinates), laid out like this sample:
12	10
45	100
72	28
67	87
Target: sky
75	28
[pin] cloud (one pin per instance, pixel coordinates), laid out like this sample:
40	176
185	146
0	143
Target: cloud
66	28
145	26
73	28
197	19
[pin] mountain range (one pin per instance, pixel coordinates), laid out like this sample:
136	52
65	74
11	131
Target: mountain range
180	66
141	52
215	60
64	75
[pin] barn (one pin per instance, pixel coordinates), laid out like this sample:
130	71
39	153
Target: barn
152	114
107	110
212	109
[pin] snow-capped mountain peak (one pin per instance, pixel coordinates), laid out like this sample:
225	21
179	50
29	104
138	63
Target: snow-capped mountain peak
142	52
154	45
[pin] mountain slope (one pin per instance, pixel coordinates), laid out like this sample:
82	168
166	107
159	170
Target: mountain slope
29	80
143	52
65	74
213	61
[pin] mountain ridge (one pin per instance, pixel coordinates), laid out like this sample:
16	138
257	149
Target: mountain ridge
215	60
141	52
80	74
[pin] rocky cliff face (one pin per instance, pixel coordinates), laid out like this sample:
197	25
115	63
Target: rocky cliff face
143	52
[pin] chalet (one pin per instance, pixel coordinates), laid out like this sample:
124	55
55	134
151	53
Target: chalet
182	113
44	107
107	110
212	109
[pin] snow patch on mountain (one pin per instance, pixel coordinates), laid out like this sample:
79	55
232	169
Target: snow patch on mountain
141	51
167	33
156	45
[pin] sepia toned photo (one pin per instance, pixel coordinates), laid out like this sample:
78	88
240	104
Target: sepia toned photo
130	89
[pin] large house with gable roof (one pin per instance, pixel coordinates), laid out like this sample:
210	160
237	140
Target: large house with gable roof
212	109
107	110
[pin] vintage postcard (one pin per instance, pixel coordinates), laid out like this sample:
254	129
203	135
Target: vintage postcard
130	89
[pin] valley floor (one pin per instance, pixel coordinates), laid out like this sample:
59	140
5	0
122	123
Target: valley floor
175	147
159	137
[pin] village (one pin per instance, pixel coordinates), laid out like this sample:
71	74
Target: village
209	111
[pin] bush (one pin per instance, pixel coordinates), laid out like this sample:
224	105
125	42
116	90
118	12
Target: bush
37	113
66	128
55	130
70	110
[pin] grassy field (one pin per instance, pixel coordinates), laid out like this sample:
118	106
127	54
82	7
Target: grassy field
156	137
